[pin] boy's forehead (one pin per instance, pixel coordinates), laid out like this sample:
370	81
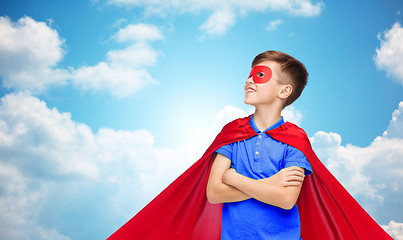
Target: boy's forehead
274	66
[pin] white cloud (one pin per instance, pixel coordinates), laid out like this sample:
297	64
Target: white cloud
305	8
137	55
274	24
124	71
372	174
37	146
121	82
139	33
224	13
58	176
291	114
389	56
43	142
394	229
346	163
29	53
31	50
218	23
395	128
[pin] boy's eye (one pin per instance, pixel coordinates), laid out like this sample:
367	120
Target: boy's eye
260	74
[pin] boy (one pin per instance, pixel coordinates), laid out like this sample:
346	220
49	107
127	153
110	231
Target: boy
256	166
262	209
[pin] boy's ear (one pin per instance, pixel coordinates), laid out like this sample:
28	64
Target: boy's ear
285	91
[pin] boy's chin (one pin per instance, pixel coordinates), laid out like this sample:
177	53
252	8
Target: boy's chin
248	102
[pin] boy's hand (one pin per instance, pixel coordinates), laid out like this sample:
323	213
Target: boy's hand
288	177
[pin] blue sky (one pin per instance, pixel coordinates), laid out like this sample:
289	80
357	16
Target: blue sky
105	102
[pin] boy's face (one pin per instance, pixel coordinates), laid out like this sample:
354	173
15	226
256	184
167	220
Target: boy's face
263	85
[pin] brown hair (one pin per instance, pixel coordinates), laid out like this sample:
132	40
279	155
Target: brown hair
291	67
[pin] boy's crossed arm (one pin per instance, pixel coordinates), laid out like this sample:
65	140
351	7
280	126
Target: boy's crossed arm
226	185
264	191
217	191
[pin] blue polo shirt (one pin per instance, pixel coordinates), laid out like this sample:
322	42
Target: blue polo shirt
261	157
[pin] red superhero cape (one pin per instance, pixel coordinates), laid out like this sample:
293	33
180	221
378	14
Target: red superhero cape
181	211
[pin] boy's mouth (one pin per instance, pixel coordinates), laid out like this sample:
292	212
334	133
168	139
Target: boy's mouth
250	90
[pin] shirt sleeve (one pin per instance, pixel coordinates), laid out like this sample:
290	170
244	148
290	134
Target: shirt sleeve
226	150
294	157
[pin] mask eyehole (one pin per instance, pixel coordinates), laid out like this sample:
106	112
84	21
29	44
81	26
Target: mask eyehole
260	74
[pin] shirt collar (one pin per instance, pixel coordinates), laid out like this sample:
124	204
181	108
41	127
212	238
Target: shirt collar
276	125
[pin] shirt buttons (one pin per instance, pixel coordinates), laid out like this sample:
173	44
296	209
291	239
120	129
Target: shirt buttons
260	136
258	144
257	152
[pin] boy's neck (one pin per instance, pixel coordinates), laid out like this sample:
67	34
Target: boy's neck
266	117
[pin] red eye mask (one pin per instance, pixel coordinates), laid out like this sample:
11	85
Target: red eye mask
261	74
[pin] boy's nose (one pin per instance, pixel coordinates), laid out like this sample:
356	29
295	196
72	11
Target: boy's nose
250	80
